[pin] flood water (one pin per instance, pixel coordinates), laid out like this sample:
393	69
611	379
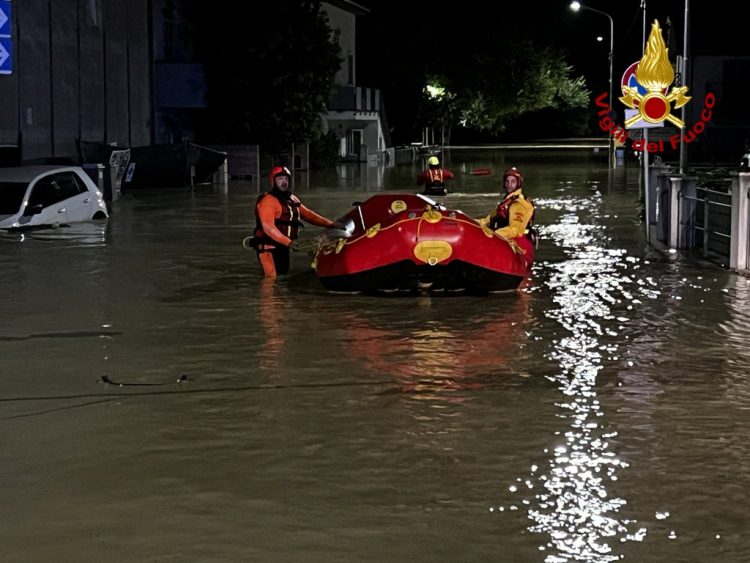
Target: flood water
600	414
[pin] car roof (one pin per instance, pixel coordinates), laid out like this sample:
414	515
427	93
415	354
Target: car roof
28	173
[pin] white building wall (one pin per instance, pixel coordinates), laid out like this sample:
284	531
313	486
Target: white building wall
344	22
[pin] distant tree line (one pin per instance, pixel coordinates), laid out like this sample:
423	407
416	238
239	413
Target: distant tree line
490	91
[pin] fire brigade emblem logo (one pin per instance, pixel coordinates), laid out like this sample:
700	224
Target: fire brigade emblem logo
654	74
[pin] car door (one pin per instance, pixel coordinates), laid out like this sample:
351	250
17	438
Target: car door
46	203
75	195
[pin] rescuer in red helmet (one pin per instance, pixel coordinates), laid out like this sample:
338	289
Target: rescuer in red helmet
278	215
514	215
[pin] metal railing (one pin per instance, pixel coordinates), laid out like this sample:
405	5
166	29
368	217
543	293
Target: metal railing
706	229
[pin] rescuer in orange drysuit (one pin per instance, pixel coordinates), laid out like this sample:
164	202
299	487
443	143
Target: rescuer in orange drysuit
278	215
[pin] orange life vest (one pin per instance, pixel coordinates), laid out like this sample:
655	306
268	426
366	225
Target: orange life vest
288	223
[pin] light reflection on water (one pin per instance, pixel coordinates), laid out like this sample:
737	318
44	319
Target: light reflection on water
425	346
572	504
91	233
734	337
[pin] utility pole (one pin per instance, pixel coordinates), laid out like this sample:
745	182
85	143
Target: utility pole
683	144
646	191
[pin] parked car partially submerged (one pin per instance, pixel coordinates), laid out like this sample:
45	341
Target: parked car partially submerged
48	195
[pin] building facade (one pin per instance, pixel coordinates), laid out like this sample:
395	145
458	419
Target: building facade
81	69
355	113
123	72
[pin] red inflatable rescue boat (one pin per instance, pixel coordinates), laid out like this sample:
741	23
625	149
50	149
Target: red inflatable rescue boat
407	242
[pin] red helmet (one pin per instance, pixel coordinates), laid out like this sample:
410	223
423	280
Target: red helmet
513	171
278	171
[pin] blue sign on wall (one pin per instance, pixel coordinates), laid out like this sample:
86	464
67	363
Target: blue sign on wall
4	18
6	55
6	42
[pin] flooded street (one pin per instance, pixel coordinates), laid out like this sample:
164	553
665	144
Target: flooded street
598	415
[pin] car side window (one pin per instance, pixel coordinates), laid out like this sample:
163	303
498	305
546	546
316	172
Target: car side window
45	193
68	184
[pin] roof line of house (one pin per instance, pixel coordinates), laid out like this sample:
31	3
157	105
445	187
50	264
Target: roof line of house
349	6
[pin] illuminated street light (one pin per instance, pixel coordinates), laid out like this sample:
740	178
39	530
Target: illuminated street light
575	6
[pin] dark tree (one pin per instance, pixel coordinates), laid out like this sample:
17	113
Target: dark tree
269	75
492	88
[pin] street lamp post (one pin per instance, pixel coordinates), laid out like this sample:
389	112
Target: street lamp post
575	6
683	145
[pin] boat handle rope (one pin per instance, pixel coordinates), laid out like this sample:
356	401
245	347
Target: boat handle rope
332	244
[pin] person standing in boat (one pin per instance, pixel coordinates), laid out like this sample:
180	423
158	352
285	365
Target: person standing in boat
278	215
434	177
514	215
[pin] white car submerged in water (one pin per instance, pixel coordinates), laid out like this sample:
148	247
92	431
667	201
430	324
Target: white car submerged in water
31	196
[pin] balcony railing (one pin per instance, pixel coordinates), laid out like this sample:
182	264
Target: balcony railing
355	98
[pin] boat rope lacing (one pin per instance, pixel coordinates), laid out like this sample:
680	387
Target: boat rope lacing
337	245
